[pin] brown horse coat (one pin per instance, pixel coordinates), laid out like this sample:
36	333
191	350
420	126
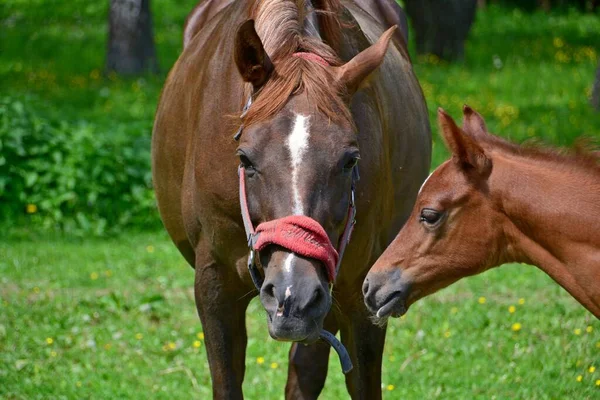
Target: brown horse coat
195	177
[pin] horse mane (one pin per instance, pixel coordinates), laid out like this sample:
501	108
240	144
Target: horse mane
281	26
583	155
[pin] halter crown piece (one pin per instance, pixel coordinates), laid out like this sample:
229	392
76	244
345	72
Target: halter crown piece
299	234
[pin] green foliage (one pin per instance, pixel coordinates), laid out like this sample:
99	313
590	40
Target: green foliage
72	176
529	74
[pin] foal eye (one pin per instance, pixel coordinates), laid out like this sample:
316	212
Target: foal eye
430	216
351	163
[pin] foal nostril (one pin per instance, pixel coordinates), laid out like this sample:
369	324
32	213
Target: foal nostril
365	287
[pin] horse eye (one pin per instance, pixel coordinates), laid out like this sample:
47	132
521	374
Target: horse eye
351	163
430	216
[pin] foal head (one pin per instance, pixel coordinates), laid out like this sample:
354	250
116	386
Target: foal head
298	149
454	229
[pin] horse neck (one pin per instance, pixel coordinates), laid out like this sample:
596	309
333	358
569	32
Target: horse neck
553	222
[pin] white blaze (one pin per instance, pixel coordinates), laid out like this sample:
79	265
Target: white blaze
288	263
424	182
297	143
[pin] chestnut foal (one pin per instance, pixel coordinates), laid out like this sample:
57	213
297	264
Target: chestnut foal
494	202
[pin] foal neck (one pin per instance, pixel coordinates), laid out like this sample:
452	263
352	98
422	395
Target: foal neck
553	222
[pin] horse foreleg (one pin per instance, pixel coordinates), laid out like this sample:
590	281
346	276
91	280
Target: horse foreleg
307	368
222	307
364	342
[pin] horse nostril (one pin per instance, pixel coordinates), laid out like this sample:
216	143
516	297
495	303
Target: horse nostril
269	290
316	298
365	287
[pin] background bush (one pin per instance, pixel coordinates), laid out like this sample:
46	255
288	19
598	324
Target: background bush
75	142
72	176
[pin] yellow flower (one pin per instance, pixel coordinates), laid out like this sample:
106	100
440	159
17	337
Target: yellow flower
512	309
200	336
31	208
589	329
150	249
598	382
49	340
94	276
390	387
577	331
274	365
454	310
260	360
171	346
481	300
558	42
197	343
139	336
516	327
591	369
521	301
447	334
579	378
107	346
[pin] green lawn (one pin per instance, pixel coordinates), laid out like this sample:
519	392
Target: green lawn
116	319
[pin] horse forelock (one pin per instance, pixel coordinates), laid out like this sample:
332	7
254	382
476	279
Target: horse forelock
281	26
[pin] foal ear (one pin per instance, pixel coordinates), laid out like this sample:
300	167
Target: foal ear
473	123
464	148
251	59
354	72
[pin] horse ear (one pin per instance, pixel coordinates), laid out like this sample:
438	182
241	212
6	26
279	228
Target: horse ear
251	59
465	150
473	123
351	74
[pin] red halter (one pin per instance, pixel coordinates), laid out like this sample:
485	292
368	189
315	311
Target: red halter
298	233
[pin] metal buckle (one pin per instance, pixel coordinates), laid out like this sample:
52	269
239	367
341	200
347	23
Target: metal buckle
238	134
257	278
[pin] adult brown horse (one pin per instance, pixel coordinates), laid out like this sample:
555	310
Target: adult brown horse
311	118
493	203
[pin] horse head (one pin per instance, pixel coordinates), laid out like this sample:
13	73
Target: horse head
298	163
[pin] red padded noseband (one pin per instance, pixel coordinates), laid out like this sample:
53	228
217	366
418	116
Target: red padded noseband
301	235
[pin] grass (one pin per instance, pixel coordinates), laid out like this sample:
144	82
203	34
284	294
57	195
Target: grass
115	318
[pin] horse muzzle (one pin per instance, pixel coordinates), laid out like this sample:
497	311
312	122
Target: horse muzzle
295	295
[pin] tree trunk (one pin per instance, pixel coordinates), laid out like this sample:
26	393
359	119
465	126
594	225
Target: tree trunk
441	26
130	38
596	90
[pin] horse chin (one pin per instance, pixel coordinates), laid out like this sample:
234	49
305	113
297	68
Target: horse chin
291	329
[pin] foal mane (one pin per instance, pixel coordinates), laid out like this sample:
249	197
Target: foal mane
583	156
280	24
